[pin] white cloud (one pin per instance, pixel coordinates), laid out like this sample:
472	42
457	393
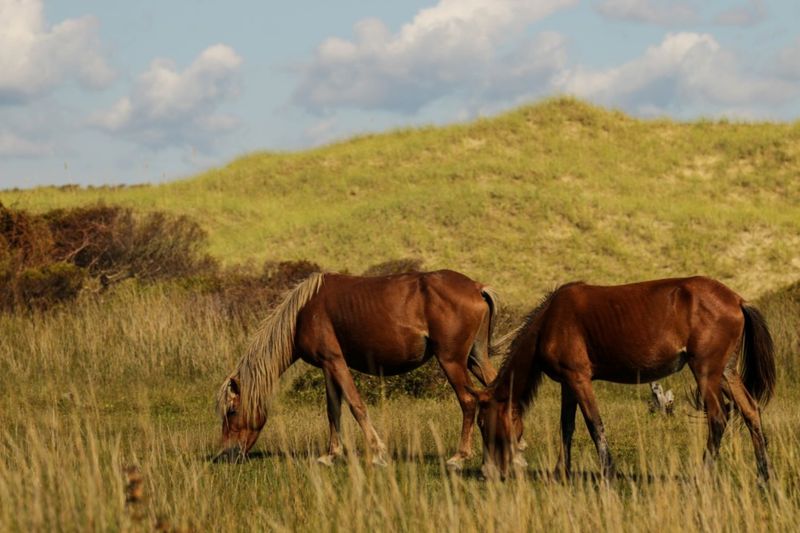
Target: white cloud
12	145
36	57
787	63
661	12
451	47
684	73
749	14
170	107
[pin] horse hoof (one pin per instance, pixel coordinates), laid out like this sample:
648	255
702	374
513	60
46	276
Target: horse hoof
326	460
491	473
379	460
455	464
520	461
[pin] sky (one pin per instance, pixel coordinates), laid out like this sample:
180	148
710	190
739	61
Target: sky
98	92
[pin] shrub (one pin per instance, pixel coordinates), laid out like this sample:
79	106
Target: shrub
427	381
25	237
44	286
112	241
46	258
244	295
395	266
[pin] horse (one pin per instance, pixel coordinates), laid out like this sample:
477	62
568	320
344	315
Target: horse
632	334
385	325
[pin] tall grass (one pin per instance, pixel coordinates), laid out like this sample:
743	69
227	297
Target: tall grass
127	379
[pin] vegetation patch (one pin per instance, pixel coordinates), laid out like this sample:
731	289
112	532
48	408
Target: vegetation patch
47	258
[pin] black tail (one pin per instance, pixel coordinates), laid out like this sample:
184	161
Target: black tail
491	300
758	356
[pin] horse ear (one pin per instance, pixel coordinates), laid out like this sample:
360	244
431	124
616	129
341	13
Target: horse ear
233	389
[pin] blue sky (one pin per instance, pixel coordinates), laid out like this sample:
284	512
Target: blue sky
100	92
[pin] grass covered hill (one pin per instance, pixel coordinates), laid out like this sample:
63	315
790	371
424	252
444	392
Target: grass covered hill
540	195
109	422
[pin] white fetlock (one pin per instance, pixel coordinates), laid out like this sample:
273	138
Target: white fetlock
326	460
379	460
522	445
490	472
520	461
455	464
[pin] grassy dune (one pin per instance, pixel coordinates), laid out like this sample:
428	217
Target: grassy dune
541	195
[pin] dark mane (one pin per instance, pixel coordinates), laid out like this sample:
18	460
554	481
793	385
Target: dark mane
525	338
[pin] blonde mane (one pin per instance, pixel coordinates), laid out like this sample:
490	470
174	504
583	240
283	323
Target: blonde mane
270	351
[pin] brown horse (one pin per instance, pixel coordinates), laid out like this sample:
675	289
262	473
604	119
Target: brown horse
376	325
632	334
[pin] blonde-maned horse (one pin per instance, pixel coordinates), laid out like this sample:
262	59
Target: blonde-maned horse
377	325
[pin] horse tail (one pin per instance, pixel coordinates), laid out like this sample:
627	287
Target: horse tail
490	296
758	356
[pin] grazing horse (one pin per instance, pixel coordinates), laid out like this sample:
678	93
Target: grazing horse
377	325
632	334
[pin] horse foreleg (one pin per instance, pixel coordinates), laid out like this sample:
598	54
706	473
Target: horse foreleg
333	396
342	377
569	405
584	394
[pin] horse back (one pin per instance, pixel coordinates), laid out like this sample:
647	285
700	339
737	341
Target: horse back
392	322
639	331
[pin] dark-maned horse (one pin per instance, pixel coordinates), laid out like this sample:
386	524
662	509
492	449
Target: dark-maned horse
633	334
377	325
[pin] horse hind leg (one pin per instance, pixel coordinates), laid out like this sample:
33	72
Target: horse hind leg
333	396
456	374
748	408
709	385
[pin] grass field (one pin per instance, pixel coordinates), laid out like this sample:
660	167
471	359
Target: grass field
541	195
128	380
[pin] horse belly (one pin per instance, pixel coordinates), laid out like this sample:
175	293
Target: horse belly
652	368
386	354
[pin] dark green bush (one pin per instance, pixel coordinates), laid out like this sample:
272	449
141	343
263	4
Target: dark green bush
44	286
246	295
428	381
46	258
395	266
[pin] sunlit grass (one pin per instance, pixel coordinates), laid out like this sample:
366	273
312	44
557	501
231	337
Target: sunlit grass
544	194
128	379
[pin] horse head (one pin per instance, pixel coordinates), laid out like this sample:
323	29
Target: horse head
501	428
240	428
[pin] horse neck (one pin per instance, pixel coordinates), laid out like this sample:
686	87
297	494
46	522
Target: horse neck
260	382
520	376
271	351
511	385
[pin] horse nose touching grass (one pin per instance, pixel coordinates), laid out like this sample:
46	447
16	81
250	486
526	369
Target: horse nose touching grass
233	455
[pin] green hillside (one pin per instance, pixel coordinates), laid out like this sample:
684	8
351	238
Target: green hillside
544	194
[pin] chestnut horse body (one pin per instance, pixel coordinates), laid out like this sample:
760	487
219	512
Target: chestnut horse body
633	334
377	325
